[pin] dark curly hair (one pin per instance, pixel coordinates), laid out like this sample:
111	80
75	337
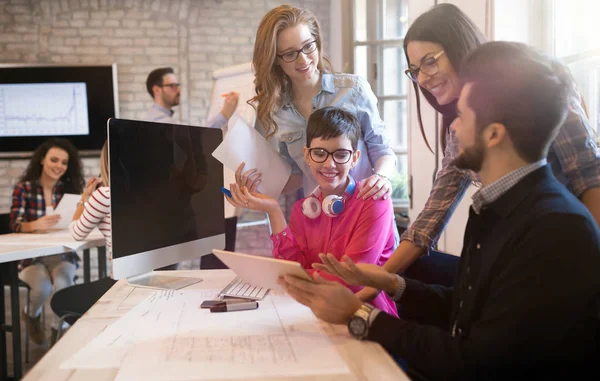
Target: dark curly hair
72	179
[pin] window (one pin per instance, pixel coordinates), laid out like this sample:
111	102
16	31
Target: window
564	28
576	44
378	56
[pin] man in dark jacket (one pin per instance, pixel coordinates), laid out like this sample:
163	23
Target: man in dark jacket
526	304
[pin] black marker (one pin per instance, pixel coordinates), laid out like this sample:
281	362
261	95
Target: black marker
227	307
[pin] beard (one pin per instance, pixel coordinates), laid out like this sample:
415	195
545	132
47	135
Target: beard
171	102
471	158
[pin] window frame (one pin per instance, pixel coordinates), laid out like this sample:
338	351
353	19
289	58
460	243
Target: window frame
374	75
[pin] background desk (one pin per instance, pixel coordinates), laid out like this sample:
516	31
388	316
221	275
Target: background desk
366	360
13	248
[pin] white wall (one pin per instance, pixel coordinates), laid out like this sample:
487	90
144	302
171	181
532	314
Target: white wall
523	21
335	52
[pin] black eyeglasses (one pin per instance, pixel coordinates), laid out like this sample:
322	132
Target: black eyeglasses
428	66
173	86
320	155
293	55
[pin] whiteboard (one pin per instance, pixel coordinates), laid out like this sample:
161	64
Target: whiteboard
238	78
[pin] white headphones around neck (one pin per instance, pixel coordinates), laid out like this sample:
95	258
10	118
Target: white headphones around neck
332	205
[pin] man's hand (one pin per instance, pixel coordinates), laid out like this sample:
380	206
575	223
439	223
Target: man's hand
45	222
329	301
230	104
367	294
362	274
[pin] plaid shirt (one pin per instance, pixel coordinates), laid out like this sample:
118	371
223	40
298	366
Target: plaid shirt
574	158
28	204
492	192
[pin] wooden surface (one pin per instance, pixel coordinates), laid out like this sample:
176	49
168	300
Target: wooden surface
366	360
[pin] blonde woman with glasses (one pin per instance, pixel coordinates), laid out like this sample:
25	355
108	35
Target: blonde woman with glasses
293	79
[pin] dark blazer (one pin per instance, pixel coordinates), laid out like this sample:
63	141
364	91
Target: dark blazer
527	300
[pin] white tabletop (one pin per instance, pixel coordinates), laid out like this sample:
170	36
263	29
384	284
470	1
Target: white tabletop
366	360
17	246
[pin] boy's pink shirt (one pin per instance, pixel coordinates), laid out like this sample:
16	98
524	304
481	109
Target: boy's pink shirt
364	231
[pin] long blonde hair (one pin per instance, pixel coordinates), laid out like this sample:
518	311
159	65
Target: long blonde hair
104	165
270	82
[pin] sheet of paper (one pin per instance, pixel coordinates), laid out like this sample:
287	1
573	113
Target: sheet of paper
238	78
244	144
52	238
168	337
66	208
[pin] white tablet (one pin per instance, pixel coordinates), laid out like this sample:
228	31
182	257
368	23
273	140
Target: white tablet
260	271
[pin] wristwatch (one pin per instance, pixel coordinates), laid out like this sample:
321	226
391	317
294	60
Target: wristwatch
81	202
358	325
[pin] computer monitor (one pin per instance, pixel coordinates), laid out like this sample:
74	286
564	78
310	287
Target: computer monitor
166	203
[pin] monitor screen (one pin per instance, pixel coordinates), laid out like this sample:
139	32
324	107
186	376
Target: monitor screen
166	203
42	101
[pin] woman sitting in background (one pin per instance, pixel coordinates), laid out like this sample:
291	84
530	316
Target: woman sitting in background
92	211
94	208
54	169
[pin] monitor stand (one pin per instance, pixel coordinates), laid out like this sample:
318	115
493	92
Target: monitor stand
153	280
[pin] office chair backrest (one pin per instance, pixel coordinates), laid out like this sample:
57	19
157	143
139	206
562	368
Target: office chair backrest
4	223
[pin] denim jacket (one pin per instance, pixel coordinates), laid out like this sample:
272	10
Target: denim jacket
347	91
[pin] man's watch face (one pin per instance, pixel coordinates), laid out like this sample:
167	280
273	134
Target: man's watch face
357	327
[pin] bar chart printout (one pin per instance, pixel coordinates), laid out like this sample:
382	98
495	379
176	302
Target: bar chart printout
43	109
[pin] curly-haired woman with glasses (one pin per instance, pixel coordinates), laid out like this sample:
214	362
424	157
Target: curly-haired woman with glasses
293	79
54	169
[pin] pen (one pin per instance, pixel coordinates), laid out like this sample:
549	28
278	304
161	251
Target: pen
226	191
227	307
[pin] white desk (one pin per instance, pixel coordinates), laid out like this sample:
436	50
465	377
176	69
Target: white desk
366	360
13	248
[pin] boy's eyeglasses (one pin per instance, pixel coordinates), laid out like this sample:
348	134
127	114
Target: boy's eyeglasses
428	66
320	155
293	55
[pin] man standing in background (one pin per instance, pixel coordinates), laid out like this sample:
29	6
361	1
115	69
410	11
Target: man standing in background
164	89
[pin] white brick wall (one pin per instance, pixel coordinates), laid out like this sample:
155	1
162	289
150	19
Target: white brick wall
195	37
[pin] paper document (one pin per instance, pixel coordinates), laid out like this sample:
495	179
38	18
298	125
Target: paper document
244	144
66	208
169	337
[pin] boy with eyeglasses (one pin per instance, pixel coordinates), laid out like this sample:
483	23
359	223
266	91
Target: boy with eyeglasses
331	219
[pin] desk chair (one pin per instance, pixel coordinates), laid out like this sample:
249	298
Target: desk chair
71	303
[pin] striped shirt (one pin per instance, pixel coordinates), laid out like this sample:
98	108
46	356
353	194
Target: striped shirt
95	213
574	158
